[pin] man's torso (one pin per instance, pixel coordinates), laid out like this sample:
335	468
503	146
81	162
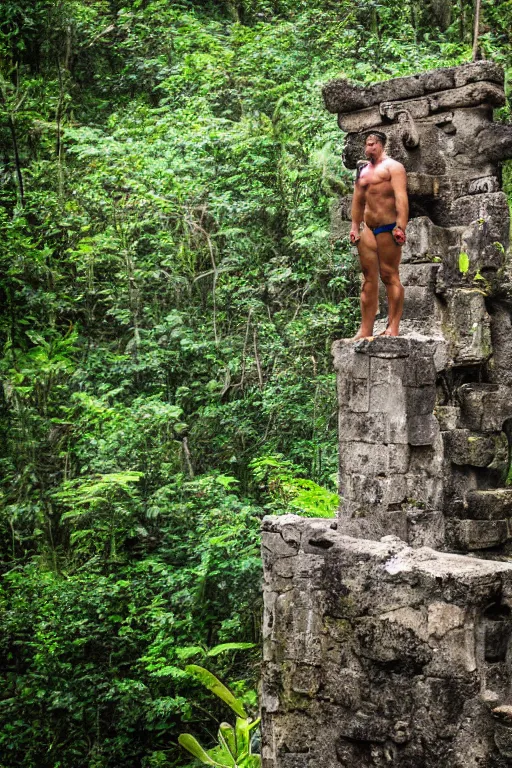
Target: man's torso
378	193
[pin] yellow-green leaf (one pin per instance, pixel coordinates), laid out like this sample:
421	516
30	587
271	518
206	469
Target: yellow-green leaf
463	262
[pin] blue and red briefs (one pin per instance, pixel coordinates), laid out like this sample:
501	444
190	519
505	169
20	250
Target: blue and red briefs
383	228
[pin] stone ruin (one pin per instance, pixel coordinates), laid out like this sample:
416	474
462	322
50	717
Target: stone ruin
388	633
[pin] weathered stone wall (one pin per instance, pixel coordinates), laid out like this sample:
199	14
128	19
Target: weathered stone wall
378	654
388	652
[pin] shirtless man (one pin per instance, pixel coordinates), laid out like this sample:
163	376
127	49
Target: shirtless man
380	201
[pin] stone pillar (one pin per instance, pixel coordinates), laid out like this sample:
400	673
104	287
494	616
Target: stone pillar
391	452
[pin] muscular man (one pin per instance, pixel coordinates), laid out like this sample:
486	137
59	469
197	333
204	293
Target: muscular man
380	201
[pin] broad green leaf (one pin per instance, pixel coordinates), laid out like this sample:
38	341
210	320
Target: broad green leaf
229	647
243	736
206	678
222	755
192	745
188	651
227	736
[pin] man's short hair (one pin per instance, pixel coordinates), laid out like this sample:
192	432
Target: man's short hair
378	135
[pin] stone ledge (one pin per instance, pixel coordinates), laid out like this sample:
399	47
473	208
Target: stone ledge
343	96
391	553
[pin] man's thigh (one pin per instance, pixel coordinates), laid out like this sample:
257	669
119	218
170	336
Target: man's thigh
367	249
389	253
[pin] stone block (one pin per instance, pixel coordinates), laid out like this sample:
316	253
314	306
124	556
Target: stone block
419	303
478	240
393	522
500	365
387	398
470	535
305	679
478	70
360	365
444	617
503	740
375	490
384	642
363	427
385	346
345	97
422	275
446	699
477	399
347	687
343	390
494	504
425	241
471	95
365	458
354	122
495	142
465	447
422	370
397	423
422	429
455	654
488	208
386	370
448	417
424	528
467	326
276	544
420	400
496	409
422	489
364	727
438	79
359	397
428	459
417	109
399	456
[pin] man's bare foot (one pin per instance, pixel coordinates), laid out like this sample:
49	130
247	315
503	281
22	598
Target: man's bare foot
359	336
389	332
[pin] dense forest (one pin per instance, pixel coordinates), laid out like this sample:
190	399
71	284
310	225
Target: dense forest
170	288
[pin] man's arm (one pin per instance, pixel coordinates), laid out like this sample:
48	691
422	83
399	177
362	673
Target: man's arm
358	201
399	184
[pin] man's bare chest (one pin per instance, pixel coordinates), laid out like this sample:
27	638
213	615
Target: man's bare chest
372	178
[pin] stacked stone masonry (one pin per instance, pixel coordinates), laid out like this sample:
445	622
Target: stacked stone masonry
378	654
366	665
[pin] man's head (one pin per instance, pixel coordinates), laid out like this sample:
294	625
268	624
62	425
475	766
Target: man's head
374	145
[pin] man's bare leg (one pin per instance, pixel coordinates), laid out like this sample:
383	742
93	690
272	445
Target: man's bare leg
389	255
367	248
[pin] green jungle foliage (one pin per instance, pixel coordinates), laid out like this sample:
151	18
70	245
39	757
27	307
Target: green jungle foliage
169	292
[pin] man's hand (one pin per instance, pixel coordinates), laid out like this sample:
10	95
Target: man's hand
354	236
399	236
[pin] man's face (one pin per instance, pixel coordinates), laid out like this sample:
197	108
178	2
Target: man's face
373	149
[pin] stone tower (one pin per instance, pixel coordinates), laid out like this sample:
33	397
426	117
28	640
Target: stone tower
388	635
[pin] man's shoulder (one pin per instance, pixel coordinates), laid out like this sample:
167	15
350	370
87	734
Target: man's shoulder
394	165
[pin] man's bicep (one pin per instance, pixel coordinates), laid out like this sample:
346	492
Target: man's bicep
399	179
358	197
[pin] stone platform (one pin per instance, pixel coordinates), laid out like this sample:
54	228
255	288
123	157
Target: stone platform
379	654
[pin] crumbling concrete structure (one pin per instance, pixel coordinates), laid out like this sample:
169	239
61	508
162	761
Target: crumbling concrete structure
388	634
